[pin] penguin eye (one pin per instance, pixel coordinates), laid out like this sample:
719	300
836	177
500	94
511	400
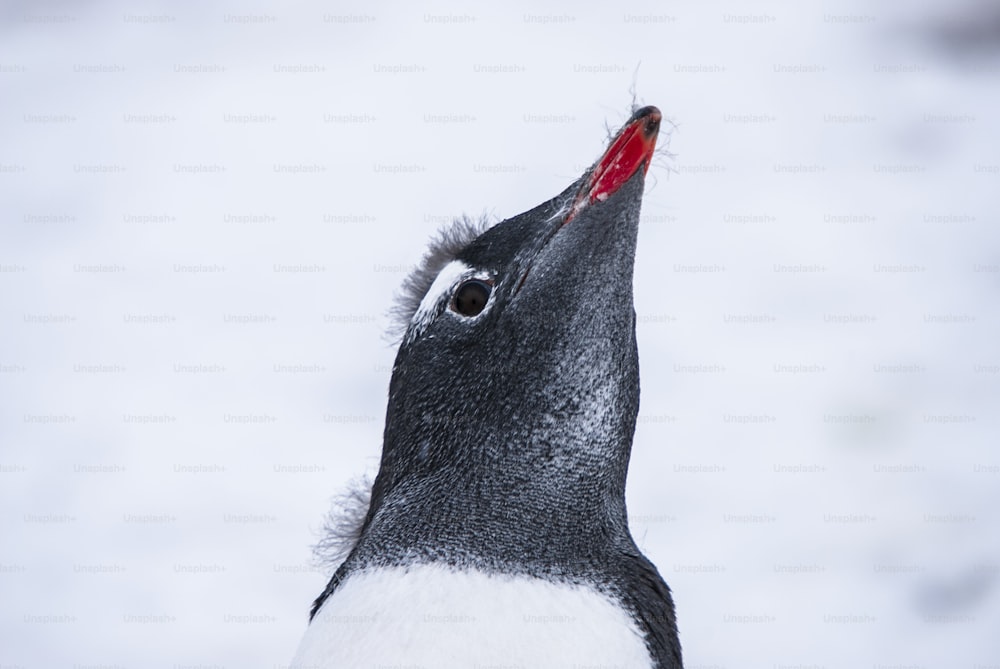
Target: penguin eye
471	297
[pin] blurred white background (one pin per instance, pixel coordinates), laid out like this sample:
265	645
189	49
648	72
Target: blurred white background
207	209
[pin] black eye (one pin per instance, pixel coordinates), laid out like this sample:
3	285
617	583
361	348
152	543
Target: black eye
471	297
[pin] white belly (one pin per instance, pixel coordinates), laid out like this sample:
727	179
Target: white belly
430	616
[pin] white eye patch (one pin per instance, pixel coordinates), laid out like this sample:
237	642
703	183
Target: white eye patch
439	295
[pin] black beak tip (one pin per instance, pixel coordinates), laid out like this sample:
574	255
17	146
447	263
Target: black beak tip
652	116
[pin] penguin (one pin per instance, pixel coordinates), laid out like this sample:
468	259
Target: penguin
495	533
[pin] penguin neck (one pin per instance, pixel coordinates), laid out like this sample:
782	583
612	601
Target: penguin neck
525	466
531	507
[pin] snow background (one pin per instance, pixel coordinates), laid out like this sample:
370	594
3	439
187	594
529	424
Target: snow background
832	162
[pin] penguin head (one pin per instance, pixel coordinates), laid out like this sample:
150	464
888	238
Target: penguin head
518	366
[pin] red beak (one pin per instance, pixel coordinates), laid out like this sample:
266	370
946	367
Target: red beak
631	149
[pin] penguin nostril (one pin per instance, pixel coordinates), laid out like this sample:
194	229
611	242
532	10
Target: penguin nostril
471	297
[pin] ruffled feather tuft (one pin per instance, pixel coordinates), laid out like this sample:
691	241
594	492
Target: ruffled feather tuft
343	524
442	249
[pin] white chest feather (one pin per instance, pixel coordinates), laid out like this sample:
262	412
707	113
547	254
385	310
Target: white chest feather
429	616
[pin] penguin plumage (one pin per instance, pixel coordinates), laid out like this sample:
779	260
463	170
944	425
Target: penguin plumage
496	531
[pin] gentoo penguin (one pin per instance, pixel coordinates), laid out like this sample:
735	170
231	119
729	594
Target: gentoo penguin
496	533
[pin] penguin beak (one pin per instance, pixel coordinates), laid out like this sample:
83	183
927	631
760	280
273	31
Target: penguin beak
631	149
